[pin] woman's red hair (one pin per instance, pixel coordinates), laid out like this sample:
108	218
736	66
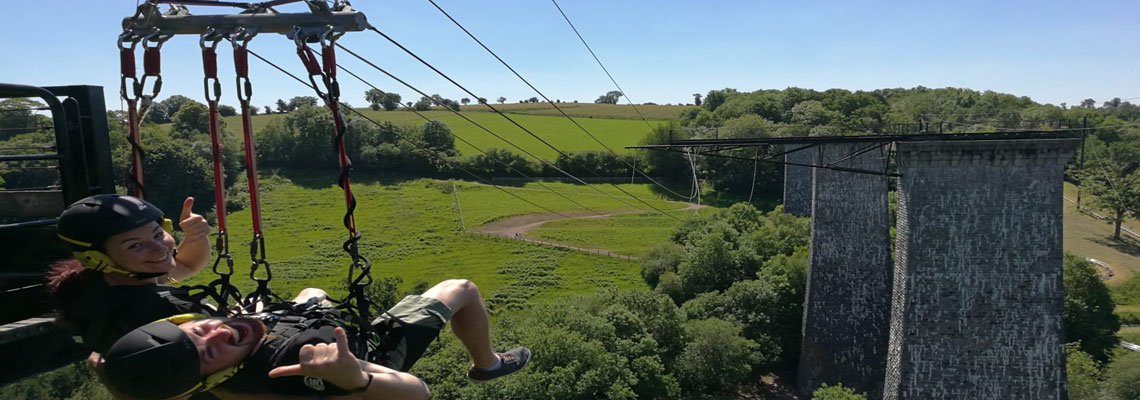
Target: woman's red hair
67	280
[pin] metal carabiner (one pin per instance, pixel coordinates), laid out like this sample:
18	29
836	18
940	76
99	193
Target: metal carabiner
209	43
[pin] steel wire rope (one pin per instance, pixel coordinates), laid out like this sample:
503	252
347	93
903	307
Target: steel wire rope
528	131
453	135
477	177
556	107
627	99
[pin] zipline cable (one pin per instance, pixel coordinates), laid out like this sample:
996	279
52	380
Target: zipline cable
464	141
528	131
552	103
481	151
477	177
627	99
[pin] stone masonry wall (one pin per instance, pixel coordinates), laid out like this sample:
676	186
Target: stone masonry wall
976	310
797	180
848	302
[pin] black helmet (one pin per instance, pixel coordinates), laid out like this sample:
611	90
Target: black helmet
88	222
155	361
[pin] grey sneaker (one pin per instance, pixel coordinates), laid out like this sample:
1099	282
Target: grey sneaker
513	360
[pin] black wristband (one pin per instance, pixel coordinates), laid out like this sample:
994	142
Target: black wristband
363	389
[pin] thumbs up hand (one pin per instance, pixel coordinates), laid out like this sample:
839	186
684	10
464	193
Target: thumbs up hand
193	225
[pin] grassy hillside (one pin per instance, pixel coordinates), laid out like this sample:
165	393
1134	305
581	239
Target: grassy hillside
588	110
1090	237
557	130
410	231
613	233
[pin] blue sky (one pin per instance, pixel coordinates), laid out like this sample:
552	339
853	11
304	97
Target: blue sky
659	51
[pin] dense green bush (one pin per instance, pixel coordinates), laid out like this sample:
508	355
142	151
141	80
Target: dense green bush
1088	309
1122	379
837	392
716	358
1083	373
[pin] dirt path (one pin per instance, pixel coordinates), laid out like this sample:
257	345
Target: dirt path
519	225
516	227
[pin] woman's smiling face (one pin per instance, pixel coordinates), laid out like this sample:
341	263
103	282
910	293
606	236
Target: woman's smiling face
146	249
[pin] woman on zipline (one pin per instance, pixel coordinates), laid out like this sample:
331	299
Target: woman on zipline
125	259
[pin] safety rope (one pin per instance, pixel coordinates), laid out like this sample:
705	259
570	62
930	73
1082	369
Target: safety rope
221	290
131	90
359	272
262	294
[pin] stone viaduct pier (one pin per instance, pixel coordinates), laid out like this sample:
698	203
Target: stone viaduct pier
970	305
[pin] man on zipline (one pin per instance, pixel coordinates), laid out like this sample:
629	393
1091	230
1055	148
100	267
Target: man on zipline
305	349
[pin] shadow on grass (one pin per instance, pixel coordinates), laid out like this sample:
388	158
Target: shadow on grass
1124	244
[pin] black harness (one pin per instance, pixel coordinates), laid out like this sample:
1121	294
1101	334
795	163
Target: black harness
289	327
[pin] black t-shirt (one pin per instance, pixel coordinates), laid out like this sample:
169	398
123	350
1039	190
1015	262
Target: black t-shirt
105	313
282	347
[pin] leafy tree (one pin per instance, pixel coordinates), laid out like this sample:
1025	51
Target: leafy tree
374	97
437	136
662	258
464	101
715	98
532	100
697	99
813	112
161	112
499	162
1082	372
268	110
423	105
282	106
1122	379
390	101
837	392
192	119
483	100
717	358
501	100
229	111
301	101
1112	174
662	163
176	168
20	113
1088	309
599	346
610	97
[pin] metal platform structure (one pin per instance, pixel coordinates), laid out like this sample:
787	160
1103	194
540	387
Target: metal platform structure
82	156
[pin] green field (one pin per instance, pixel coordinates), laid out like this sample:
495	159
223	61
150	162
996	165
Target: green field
410	231
1090	237
588	110
556	130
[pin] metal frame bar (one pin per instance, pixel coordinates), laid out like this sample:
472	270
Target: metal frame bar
340	21
1009	135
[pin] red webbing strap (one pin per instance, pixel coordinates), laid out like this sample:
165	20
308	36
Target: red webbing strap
127	62
152	61
210	70
129	90
136	174
241	67
210	63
